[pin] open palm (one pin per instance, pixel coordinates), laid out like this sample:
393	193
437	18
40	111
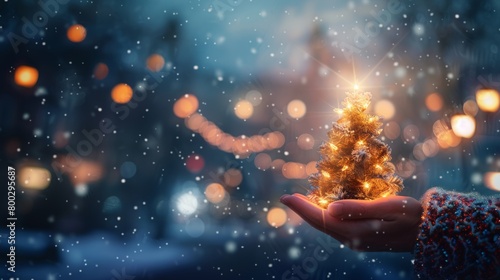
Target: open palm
384	224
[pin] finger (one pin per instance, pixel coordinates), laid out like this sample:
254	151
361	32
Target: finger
384	208
301	196
304	208
317	216
314	215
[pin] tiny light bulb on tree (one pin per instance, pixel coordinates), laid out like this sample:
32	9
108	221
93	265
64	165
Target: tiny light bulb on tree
354	163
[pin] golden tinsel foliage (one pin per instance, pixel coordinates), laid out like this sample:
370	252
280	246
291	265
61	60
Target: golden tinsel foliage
354	163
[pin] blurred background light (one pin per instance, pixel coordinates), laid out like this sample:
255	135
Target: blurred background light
488	100
215	193
87	171
232	177
195	163
411	133
463	125
294	170
296	109
305	141
276	217
186	106
434	102
121	93
155	62
492	180
392	130
311	168
76	33
26	76
385	109
101	71
430	148
470	108
33	177
187	203
446	138
243	109
262	161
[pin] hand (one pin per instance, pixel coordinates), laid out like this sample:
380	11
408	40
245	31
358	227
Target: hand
384	224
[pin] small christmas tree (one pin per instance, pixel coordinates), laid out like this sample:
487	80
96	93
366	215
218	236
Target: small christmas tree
354	164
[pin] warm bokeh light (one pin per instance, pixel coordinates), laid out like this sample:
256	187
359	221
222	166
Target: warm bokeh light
448	139
242	146
60	138
275	140
215	193
195	163
430	147
276	217
470	108
26	76
405	168
392	130
385	109
155	62
296	109
305	141
293	218
418	152
463	125
226	143
86	172
186	106
243	109
439	127
294	170
488	100
263	161
195	122
31	177
492	180
434	102
233	177
76	33
101	71
277	164
121	93
444	135
411	133
213	135
311	168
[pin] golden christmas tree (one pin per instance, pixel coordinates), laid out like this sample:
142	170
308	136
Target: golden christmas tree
354	163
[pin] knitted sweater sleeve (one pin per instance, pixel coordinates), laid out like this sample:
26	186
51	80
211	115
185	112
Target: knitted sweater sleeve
459	237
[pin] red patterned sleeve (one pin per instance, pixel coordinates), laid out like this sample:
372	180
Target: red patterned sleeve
459	237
